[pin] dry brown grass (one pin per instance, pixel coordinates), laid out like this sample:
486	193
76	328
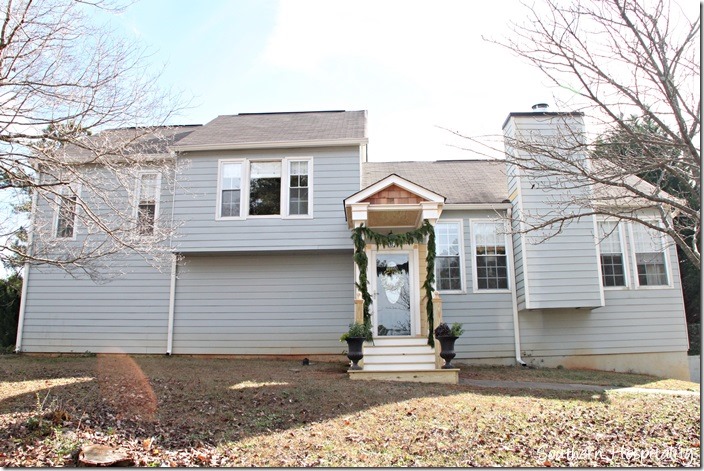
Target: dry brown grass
225	412
561	375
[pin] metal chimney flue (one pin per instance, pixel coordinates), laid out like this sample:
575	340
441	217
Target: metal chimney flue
540	107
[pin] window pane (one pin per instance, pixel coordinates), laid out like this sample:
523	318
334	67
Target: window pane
231	176
650	256
265	188
146	206
612	272
651	268
67	215
145	218
448	270
230	189
148	189
298	188
491	260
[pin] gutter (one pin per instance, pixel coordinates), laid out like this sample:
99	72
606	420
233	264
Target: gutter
514	299
25	278
271	144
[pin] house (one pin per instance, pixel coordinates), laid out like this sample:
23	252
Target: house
265	206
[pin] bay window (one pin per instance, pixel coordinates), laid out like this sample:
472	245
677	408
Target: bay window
611	254
649	254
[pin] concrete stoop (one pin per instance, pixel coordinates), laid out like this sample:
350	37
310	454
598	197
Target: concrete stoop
449	376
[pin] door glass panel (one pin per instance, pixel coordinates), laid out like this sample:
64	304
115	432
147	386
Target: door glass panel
393	300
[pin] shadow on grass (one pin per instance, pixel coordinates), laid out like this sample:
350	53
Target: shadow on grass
205	401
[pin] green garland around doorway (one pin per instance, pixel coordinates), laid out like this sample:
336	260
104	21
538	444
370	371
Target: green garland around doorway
362	233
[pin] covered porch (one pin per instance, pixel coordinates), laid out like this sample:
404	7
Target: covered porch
392	222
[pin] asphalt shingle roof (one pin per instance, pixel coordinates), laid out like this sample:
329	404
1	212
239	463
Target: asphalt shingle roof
460	181
279	127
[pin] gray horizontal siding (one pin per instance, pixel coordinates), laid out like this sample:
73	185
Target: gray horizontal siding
487	318
632	321
335	177
264	304
127	313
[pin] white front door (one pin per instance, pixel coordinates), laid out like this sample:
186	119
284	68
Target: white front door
395	295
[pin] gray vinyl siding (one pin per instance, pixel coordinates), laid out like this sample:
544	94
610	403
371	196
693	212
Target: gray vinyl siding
487	317
119	214
283	303
643	320
123	314
336	176
551	272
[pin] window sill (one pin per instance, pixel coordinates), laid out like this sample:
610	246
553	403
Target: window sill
489	291
454	291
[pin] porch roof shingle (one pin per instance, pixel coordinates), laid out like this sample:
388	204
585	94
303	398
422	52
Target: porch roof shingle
460	181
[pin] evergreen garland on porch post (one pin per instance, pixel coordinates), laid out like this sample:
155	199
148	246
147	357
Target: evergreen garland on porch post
418	236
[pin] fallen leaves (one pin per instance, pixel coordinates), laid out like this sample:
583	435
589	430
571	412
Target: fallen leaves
185	412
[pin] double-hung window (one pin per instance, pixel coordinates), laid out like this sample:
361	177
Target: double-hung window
299	184
448	256
649	253
491	262
147	201
230	189
612	267
280	187
66	213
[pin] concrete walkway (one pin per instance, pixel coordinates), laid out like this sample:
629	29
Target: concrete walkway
569	387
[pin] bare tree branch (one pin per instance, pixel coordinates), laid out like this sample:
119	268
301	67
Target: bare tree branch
634	67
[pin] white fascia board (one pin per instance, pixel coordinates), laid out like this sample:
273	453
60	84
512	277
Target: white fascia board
398	181
468	206
271	145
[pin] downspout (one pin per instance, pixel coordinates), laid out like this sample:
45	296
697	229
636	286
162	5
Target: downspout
514	299
174	266
172	305
25	278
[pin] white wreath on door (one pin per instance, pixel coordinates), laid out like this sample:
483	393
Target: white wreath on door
392	282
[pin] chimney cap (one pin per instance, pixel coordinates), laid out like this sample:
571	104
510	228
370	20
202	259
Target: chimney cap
540	107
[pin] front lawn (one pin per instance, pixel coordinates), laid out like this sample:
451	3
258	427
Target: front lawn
181	411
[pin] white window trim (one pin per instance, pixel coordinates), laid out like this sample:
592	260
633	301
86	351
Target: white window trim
463	265
243	177
245	184
57	200
634	263
157	202
625	256
509	265
287	191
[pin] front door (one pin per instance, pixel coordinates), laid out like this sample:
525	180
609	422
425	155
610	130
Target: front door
395	294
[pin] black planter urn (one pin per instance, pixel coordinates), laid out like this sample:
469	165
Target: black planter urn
354	351
447	350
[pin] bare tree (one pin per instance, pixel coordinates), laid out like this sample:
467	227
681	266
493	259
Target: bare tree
618	59
81	122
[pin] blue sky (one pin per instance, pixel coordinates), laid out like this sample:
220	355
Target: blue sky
414	65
